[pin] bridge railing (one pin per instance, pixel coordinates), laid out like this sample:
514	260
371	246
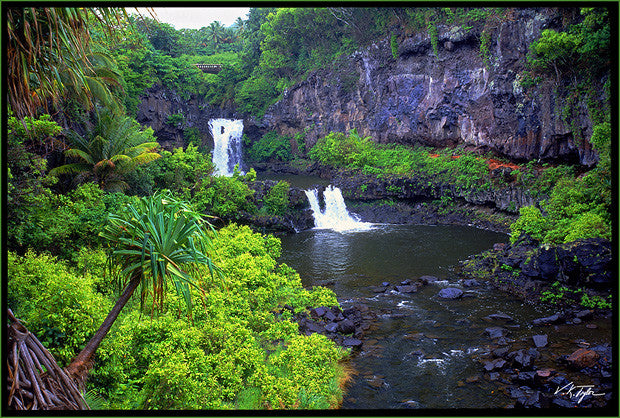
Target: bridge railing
209	68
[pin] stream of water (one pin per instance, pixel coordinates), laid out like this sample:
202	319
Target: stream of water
421	351
334	215
227	144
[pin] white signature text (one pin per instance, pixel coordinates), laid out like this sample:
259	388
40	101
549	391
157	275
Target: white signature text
577	392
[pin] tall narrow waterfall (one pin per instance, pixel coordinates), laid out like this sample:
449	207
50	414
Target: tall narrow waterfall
227	149
335	215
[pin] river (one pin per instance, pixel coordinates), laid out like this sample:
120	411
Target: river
422	350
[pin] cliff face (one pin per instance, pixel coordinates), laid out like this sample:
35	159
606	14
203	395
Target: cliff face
444	100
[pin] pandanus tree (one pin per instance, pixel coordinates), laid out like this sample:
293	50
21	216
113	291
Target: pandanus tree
159	242
113	149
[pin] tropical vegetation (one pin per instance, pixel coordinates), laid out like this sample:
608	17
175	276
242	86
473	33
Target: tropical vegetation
114	259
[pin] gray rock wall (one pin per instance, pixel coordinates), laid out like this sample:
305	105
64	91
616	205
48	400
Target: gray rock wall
443	100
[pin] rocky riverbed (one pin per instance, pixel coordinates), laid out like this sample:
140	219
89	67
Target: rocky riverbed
553	361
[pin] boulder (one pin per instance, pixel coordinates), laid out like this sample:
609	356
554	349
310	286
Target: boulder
499	317
406	289
495	332
320	311
586	313
351	342
331	327
329	315
501	352
547	320
583	358
523	358
470	283
494	364
428	279
526	377
346	327
540	340
450	293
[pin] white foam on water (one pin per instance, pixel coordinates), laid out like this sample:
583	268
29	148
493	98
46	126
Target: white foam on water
335	215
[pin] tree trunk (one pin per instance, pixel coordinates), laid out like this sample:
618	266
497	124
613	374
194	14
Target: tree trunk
81	364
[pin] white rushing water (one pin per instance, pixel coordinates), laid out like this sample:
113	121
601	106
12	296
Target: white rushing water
335	216
227	149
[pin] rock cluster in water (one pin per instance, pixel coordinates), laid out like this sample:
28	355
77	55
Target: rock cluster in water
343	326
537	372
525	268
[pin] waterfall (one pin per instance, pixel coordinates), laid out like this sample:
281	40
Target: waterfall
227	144
335	216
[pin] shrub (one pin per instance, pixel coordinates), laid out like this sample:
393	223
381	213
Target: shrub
61	308
530	222
270	147
62	224
276	199
223	196
233	352
576	208
340	150
587	225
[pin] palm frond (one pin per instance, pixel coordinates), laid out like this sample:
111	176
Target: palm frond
81	154
146	158
69	169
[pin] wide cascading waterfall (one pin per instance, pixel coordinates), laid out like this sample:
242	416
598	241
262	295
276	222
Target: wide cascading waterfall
227	144
335	216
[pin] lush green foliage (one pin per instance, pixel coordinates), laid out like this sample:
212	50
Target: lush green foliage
180	171
26	171
582	48
143	64
354	152
559	294
576	208
114	148
223	196
236	352
270	147
276	200
531	222
50	57
62	224
61	307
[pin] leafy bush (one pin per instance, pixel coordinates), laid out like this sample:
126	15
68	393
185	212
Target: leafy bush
340	150
276	199
353	152
62	224
175	119
180	171
256	94
531	222
234	353
60	307
223	196
270	147
576	208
